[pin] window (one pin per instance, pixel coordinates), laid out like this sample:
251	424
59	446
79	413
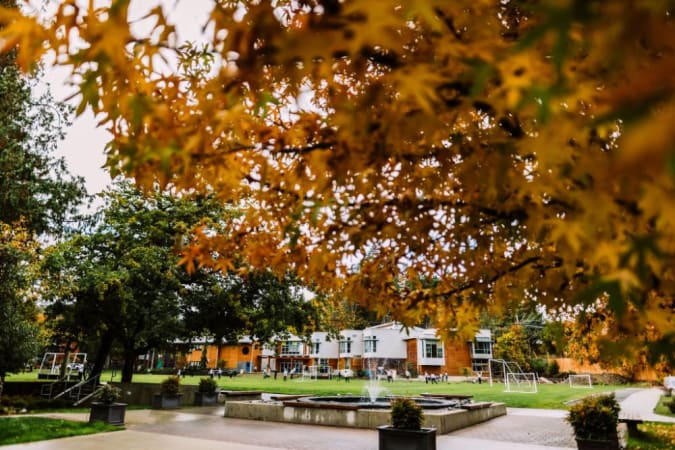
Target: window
433	349
346	346
370	344
315	347
290	348
481	348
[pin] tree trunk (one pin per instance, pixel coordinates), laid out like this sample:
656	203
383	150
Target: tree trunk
102	354
128	369
2	383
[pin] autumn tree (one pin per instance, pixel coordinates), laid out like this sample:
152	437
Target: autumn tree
512	149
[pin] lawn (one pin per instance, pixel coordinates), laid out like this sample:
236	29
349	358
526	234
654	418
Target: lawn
653	436
662	407
15	430
549	396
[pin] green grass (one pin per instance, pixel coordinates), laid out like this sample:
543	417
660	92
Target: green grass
549	396
15	430
662	407
653	436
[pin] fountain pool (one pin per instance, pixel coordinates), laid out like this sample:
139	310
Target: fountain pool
375	403
358	412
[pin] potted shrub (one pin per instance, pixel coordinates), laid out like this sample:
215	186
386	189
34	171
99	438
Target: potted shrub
206	394
594	420
108	409
405	431
169	395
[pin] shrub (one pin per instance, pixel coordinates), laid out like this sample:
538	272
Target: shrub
406	414
671	406
553	368
207	385
595	417
539	365
110	394
170	386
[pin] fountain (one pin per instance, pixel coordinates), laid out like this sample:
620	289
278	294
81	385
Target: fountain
370	410
445	415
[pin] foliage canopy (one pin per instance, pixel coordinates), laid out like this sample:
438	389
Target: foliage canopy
514	149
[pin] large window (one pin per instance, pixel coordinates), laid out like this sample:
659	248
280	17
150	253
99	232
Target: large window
433	348
315	347
370	344
346	345
290	348
482	348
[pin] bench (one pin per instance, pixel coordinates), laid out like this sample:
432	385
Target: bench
475	406
632	422
461	398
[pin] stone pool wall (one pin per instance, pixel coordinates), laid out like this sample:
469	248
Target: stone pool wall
444	421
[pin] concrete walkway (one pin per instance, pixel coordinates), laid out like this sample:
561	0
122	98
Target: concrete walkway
641	404
207	429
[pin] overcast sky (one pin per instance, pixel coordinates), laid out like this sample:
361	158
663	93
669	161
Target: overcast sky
85	142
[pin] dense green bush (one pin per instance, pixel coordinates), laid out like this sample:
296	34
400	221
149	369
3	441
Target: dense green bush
406	414
32	403
540	366
553	368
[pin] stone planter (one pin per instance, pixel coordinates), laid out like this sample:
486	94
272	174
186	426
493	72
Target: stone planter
592	444
391	438
206	399
161	401
112	413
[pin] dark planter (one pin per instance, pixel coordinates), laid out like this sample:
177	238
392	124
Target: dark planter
592	444
162	401
394	439
112	413
206	399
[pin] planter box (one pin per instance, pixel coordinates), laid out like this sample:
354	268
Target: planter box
107	413
204	399
161	401
394	439
592	444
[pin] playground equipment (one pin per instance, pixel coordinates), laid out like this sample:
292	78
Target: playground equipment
50	367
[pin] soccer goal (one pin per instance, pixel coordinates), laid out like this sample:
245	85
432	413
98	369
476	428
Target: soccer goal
580	381
513	377
523	382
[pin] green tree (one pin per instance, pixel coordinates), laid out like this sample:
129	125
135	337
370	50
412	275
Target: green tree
37	196
119	280
255	304
19	333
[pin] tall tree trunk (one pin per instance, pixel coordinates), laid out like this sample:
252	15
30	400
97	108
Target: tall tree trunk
128	369
2	383
102	353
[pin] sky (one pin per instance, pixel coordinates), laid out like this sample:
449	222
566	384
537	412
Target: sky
83	147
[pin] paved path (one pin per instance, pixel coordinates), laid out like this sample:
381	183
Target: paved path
641	404
207	429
